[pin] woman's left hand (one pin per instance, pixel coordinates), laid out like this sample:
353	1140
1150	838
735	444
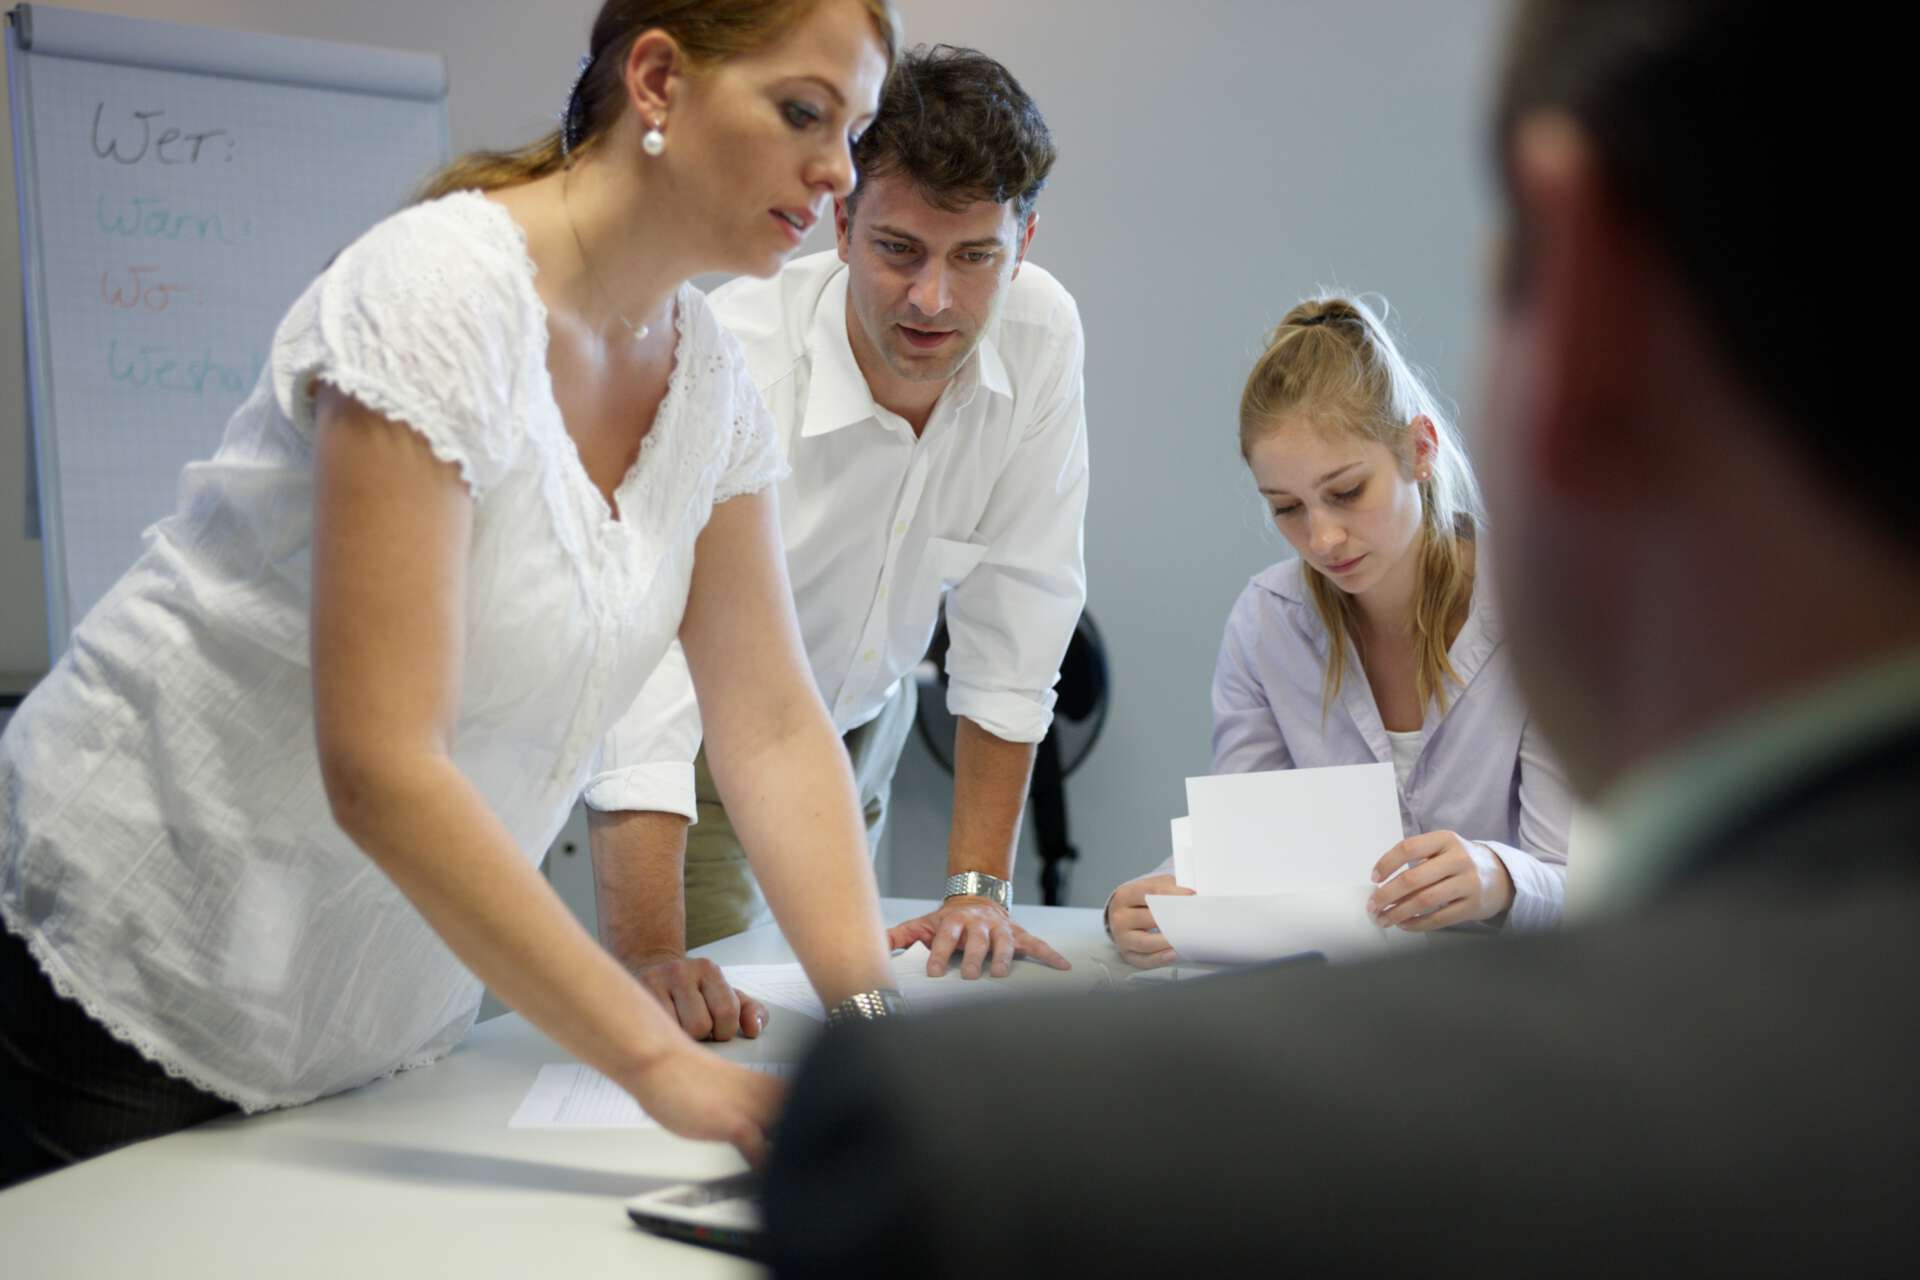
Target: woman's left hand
1445	880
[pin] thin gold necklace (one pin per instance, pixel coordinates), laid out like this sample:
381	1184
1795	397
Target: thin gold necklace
639	331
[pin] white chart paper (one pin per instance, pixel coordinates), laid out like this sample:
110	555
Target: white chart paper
1290	829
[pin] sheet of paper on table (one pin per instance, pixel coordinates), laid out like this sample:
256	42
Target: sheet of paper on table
783	985
1028	977
786	985
572	1095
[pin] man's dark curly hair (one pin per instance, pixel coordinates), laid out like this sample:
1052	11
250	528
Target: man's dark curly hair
958	126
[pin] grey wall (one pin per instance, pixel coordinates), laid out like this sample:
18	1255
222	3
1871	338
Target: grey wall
1219	158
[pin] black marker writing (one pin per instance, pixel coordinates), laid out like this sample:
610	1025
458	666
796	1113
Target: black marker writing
142	140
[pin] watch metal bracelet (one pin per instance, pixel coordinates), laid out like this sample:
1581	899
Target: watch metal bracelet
868	1006
978	884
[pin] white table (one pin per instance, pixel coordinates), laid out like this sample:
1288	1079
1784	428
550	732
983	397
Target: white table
417	1176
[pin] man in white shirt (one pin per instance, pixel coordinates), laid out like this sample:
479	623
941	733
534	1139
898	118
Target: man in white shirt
926	382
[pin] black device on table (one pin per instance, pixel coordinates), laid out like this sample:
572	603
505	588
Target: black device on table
719	1213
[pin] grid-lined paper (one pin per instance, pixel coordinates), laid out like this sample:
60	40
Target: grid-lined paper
178	215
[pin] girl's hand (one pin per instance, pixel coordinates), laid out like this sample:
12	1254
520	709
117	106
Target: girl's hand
701	1095
1130	924
1442	880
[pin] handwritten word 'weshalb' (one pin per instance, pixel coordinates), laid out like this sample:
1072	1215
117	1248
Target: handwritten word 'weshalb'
137	137
163	368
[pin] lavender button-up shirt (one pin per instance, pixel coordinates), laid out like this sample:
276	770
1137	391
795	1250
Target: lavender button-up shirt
1483	771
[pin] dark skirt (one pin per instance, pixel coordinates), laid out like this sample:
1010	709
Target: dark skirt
68	1089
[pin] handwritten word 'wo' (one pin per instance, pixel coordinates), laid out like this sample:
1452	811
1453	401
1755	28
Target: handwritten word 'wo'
138	291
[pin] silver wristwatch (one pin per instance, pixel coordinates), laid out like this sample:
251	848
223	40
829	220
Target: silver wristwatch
978	884
868	1006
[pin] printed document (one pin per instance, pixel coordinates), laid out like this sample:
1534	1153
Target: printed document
572	1095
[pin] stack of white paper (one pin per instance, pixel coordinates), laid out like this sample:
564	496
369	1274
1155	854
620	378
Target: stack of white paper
1248	928
1280	863
1291	828
1183	868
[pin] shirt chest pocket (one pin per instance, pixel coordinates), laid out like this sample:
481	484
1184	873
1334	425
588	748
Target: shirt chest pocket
946	563
949	560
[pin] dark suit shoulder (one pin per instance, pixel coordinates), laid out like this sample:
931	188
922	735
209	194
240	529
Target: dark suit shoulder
1855	813
1539	1102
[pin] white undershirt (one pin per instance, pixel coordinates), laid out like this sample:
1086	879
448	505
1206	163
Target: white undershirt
1406	750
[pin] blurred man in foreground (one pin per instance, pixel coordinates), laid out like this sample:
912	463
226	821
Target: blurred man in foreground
1712	571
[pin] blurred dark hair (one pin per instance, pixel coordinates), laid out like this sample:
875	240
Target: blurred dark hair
958	126
1704	116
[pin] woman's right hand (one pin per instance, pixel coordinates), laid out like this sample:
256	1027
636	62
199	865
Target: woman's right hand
1131	926
701	1095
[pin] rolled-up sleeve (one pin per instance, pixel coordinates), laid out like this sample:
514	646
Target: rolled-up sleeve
1010	619
646	761
1538	868
1246	732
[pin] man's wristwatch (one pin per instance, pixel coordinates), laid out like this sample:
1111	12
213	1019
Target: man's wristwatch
868	1006
978	884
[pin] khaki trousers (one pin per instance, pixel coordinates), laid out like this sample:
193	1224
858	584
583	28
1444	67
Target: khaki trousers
721	894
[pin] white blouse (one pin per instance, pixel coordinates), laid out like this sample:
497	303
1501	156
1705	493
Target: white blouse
166	847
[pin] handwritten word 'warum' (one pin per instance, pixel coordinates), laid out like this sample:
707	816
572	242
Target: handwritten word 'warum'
155	218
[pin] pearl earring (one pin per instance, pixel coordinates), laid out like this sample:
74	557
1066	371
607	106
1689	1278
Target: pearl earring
653	142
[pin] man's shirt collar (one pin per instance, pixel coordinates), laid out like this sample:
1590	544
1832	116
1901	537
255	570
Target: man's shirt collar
837	392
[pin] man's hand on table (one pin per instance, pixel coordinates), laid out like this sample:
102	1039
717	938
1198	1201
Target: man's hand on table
697	993
980	930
